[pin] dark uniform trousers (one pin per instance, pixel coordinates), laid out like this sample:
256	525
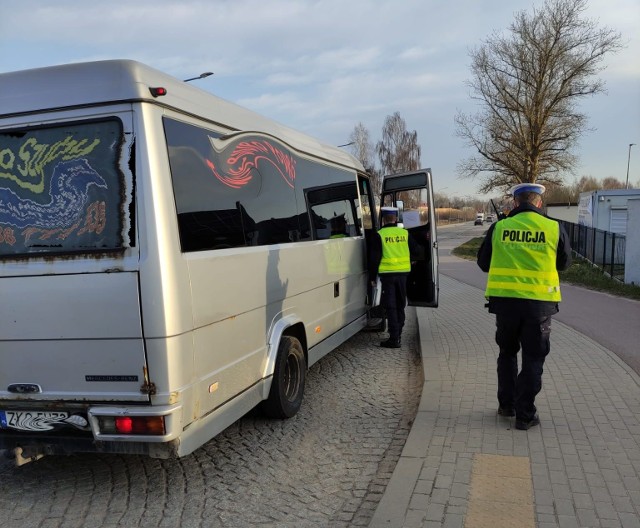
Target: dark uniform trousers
393	300
518	391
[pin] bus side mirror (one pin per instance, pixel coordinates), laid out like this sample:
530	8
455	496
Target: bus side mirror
400	206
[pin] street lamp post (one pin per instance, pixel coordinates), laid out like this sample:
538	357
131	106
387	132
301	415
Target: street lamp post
201	76
628	162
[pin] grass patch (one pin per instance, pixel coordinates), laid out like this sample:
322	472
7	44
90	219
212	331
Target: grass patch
468	250
580	273
583	273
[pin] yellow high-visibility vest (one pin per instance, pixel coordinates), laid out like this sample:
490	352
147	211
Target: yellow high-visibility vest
395	250
523	258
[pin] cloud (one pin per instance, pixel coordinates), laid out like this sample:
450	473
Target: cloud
321	66
415	54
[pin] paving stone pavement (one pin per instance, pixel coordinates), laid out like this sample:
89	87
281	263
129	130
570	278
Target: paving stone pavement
326	467
583	460
331	464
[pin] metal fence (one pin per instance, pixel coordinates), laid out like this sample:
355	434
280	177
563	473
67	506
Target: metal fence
605	250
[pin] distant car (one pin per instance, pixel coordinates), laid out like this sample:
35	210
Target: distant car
490	218
478	221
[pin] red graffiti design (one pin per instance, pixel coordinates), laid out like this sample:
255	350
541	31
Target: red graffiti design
95	221
7	236
246	155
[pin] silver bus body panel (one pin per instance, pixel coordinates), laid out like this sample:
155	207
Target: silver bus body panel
209	425
77	336
199	329
164	278
259	289
335	340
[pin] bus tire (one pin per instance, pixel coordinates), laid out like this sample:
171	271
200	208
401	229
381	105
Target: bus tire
287	387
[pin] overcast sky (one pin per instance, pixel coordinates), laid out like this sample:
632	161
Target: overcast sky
323	66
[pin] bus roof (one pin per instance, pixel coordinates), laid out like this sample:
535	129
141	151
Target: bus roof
116	81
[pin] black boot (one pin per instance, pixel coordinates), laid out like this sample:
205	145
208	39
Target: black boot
391	343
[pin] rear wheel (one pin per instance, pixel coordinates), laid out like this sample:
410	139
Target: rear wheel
287	387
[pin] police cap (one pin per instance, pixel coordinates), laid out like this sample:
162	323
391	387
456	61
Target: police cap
389	211
527	187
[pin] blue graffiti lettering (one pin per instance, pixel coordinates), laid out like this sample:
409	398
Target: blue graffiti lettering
68	192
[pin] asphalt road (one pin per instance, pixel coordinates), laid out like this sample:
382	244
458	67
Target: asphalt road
326	467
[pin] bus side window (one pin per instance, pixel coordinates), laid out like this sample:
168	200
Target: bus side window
333	219
227	196
334	203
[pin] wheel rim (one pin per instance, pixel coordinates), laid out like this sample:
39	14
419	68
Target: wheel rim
292	377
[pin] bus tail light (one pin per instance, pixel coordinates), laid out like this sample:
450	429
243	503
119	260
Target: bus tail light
132	425
158	91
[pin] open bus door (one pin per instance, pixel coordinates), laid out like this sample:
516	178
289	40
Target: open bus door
412	194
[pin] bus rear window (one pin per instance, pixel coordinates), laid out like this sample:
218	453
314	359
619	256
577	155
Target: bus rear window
62	189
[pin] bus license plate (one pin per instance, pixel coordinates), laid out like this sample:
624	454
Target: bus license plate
32	420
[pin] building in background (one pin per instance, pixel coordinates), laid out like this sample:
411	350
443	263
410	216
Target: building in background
567	211
606	209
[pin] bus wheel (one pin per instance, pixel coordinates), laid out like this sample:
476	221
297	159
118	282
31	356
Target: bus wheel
287	387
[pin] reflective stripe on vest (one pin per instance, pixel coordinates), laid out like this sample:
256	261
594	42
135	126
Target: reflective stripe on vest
395	250
523	258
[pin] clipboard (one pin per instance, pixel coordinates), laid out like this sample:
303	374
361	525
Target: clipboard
376	292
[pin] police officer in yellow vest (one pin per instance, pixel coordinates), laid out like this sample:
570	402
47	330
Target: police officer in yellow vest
339	227
522	254
391	259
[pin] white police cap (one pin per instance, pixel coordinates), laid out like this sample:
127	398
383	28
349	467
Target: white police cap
389	211
527	187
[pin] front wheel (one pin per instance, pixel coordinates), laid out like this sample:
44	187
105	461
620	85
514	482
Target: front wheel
287	387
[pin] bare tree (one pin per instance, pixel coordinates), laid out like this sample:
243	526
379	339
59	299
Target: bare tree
529	83
561	194
441	200
362	148
571	193
398	150
612	183
586	183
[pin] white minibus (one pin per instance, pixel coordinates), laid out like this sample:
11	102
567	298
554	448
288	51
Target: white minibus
169	260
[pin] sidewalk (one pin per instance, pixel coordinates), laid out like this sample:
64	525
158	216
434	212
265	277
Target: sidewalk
463	466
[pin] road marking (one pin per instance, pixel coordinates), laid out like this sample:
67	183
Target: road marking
501	493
